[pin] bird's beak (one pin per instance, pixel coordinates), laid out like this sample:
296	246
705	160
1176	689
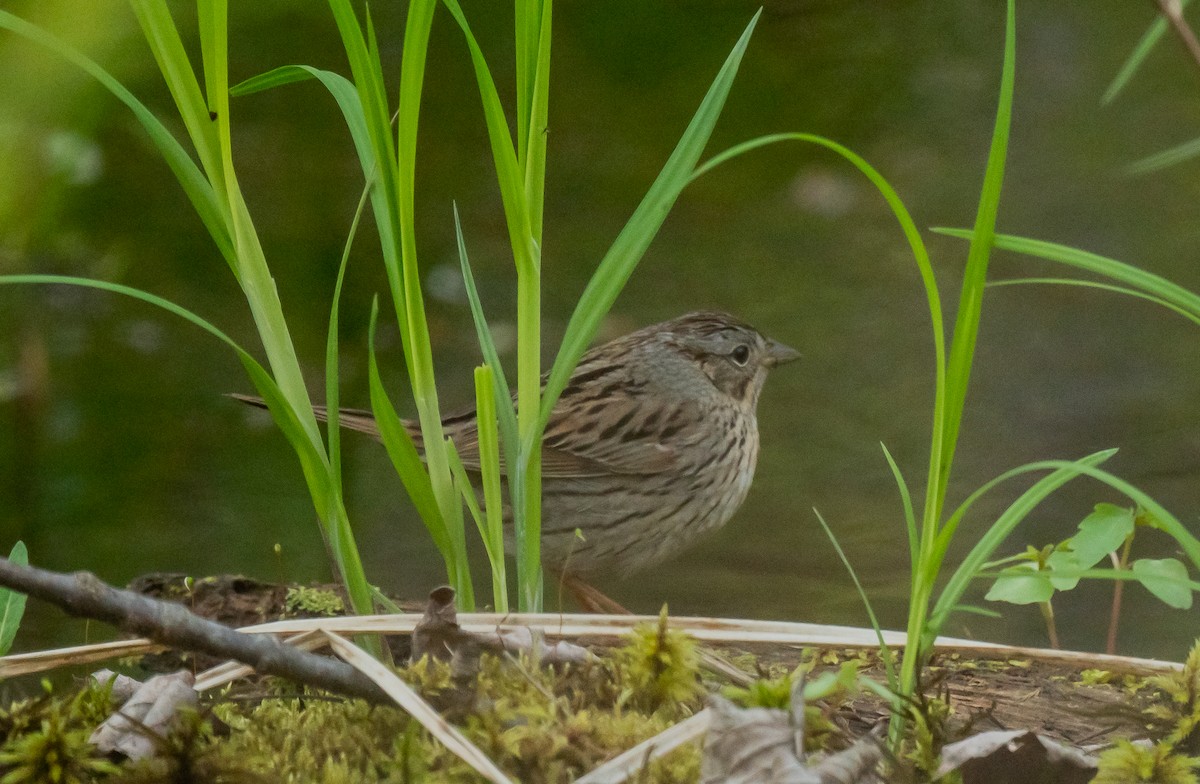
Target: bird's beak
779	354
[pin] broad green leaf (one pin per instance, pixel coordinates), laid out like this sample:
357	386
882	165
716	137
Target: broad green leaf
1021	584
1166	578
12	604
1102	532
1063	569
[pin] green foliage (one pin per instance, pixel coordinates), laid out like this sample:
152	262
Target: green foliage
12	603
929	734
214	191
832	688
45	740
1035	575
1127	763
189	755
1179	717
542	725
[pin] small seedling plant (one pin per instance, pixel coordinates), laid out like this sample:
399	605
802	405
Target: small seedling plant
1106	535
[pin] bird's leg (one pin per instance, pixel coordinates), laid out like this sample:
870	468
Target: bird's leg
591	599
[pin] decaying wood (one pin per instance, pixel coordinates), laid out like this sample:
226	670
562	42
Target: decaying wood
83	594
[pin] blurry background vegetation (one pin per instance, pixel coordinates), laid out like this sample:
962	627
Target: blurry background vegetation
118	453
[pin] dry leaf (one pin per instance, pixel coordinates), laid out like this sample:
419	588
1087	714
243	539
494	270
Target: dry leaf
1016	757
148	714
759	746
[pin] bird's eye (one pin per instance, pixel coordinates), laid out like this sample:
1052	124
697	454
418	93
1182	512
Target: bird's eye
740	355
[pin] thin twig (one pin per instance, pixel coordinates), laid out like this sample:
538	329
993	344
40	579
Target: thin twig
1173	11
85	595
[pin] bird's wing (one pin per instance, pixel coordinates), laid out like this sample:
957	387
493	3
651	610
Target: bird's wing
623	436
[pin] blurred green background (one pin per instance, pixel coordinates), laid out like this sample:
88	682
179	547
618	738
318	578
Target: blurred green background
118	453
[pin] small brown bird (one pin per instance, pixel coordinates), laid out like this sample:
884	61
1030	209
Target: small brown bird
652	444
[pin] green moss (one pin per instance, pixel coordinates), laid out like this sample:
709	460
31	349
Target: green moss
1094	677
304	601
318	740
45	740
1126	763
659	666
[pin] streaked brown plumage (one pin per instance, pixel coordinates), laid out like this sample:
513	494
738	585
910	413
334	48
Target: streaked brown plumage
652	444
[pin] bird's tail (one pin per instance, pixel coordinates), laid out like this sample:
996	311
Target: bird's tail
349	418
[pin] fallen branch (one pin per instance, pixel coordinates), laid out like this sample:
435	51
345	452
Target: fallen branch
84	595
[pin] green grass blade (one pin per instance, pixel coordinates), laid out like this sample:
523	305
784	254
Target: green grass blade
368	81
1144	46
168	50
312	460
535	138
489	468
508	171
525	473
406	285
195	186
1165	159
885	653
508	417
462	483
966	326
332	384
910	517
1091	284
627	250
407	462
1063	472
12	603
946	535
1148	282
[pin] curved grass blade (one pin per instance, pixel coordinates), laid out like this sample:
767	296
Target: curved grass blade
946	535
332	385
1091	284
885	653
626	251
1140	279
195	186
312	460
910	517
408	465
1019	509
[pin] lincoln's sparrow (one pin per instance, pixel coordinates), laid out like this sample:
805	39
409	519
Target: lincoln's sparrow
651	445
